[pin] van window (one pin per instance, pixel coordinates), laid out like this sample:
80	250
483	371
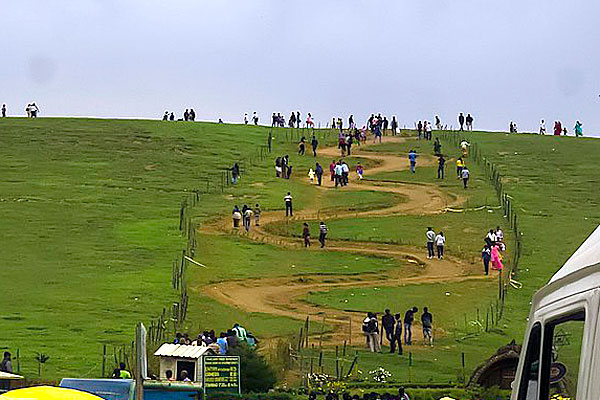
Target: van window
563	339
529	378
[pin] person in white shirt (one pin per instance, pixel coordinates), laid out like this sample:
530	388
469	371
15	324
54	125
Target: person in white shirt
542	127
499	234
465	173
430	239
440	242
428	130
491	237
345	172
288	205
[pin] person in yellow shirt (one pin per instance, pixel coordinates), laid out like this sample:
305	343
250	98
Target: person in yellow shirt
459	167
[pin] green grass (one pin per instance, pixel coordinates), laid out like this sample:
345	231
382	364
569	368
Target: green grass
90	216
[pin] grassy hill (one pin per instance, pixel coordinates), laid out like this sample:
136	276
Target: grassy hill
90	229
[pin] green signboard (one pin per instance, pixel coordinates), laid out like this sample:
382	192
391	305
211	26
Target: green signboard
221	374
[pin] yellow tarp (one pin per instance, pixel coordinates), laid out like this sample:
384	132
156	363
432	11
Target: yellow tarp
48	393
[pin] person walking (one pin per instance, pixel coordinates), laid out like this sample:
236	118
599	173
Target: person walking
427	323
461	121
459	167
419	129
248	217
440	242
306	234
3	110
388	322
257	212
465	173
437	147
486	256
496	258
288	205
235	173
394	125
428	130
319	173
345	173
578	129
237	217
302	146
397	340
314	143
441	164
409	317
338	171
542	127
412	158
322	233
430	234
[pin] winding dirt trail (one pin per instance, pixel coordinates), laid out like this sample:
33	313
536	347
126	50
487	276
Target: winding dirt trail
285	296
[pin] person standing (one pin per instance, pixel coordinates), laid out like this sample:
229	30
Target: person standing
123	373
440	170
235	173
314	143
419	129
499	234
322	233
394	125
496	258
412	158
440	242
461	121
427	323
388	322
245	118
409	317
3	110
298	120
319	173
306	234
288	205
465	173
255	118
469	121
373	333
332	170
257	212
430	234
351	122
397	335
222	343
345	173
486	256
428	130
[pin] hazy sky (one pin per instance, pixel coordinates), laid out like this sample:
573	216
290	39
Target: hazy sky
499	60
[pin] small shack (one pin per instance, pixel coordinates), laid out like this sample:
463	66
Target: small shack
181	357
499	370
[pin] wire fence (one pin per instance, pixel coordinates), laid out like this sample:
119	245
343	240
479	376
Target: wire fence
507	203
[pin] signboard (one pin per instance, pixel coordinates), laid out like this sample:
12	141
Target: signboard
221	374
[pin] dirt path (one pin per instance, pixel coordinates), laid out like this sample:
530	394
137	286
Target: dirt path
285	296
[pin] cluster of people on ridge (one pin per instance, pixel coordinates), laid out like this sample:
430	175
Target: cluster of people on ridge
465	122
188	115
395	328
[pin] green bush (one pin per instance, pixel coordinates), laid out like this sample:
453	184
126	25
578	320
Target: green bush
256	374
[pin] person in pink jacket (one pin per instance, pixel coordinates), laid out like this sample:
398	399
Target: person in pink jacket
496	258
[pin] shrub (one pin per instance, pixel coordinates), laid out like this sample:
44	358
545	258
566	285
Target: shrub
256	374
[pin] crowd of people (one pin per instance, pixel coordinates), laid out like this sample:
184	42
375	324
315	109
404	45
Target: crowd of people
224	344
245	216
401	395
492	250
395	328
188	115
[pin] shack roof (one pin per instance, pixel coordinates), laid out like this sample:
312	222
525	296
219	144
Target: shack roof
8	375
183	351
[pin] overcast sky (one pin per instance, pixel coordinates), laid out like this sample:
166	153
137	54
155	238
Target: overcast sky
499	60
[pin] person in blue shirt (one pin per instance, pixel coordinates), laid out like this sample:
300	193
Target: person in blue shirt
412	157
222	342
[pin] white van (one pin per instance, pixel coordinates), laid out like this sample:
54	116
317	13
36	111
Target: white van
561	349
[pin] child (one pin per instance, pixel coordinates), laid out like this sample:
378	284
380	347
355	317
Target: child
311	175
359	171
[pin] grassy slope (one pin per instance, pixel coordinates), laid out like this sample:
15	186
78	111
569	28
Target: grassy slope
89	228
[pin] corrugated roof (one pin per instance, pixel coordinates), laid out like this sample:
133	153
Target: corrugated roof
182	350
7	375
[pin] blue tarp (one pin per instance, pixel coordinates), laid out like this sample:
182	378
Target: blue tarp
109	389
